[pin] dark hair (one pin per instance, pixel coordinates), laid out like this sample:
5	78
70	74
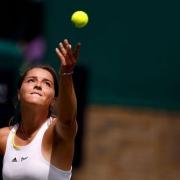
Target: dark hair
17	116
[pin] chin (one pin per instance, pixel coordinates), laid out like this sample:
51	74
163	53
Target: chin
34	102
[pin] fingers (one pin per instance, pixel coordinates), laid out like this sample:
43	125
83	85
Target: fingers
77	50
66	54
66	43
61	56
61	52
62	48
69	55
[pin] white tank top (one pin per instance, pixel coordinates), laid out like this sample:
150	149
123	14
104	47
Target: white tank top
28	163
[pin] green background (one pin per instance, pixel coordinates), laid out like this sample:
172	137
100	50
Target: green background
130	48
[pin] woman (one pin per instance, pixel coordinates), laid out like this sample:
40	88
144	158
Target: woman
40	147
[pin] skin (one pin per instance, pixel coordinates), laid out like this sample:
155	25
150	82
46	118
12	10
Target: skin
36	95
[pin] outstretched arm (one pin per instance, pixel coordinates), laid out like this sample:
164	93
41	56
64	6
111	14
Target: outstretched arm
66	125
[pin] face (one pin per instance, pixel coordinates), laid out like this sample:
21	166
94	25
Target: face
37	88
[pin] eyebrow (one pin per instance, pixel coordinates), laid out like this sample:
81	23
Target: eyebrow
35	77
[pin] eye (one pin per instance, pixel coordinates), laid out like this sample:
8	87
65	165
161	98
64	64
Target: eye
47	83
30	80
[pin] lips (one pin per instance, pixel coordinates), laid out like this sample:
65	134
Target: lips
37	93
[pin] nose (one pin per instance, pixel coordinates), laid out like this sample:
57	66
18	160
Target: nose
38	86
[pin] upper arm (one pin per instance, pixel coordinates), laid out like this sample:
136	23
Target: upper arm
3	139
58	144
66	132
60	133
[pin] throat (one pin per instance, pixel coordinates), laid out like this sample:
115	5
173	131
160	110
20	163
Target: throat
23	134
20	138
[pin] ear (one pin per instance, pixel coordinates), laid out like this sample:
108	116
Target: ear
53	106
53	102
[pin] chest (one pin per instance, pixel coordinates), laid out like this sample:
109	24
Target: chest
25	166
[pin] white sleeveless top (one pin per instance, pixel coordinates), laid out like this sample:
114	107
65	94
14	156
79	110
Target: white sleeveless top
28	163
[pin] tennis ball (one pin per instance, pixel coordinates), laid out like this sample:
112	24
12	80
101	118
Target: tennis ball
79	19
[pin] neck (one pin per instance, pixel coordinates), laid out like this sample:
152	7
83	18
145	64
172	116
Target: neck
32	119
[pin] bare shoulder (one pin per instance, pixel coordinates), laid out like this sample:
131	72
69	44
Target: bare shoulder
4	132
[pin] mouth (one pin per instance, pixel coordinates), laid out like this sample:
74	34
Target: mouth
36	93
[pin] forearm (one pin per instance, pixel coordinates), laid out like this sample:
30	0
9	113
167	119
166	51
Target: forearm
67	103
66	125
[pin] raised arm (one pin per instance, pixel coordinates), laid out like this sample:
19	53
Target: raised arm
66	124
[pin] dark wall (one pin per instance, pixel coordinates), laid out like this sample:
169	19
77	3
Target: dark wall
10	63
130	47
21	20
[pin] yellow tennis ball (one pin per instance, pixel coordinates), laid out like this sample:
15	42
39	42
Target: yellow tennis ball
79	19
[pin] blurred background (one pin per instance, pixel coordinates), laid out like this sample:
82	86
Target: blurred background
127	80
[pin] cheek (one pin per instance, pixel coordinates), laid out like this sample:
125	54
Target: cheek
50	95
21	92
25	88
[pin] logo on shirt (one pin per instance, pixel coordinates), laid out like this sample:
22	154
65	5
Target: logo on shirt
14	160
22	159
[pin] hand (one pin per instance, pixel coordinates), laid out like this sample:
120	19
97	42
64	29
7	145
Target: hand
67	56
